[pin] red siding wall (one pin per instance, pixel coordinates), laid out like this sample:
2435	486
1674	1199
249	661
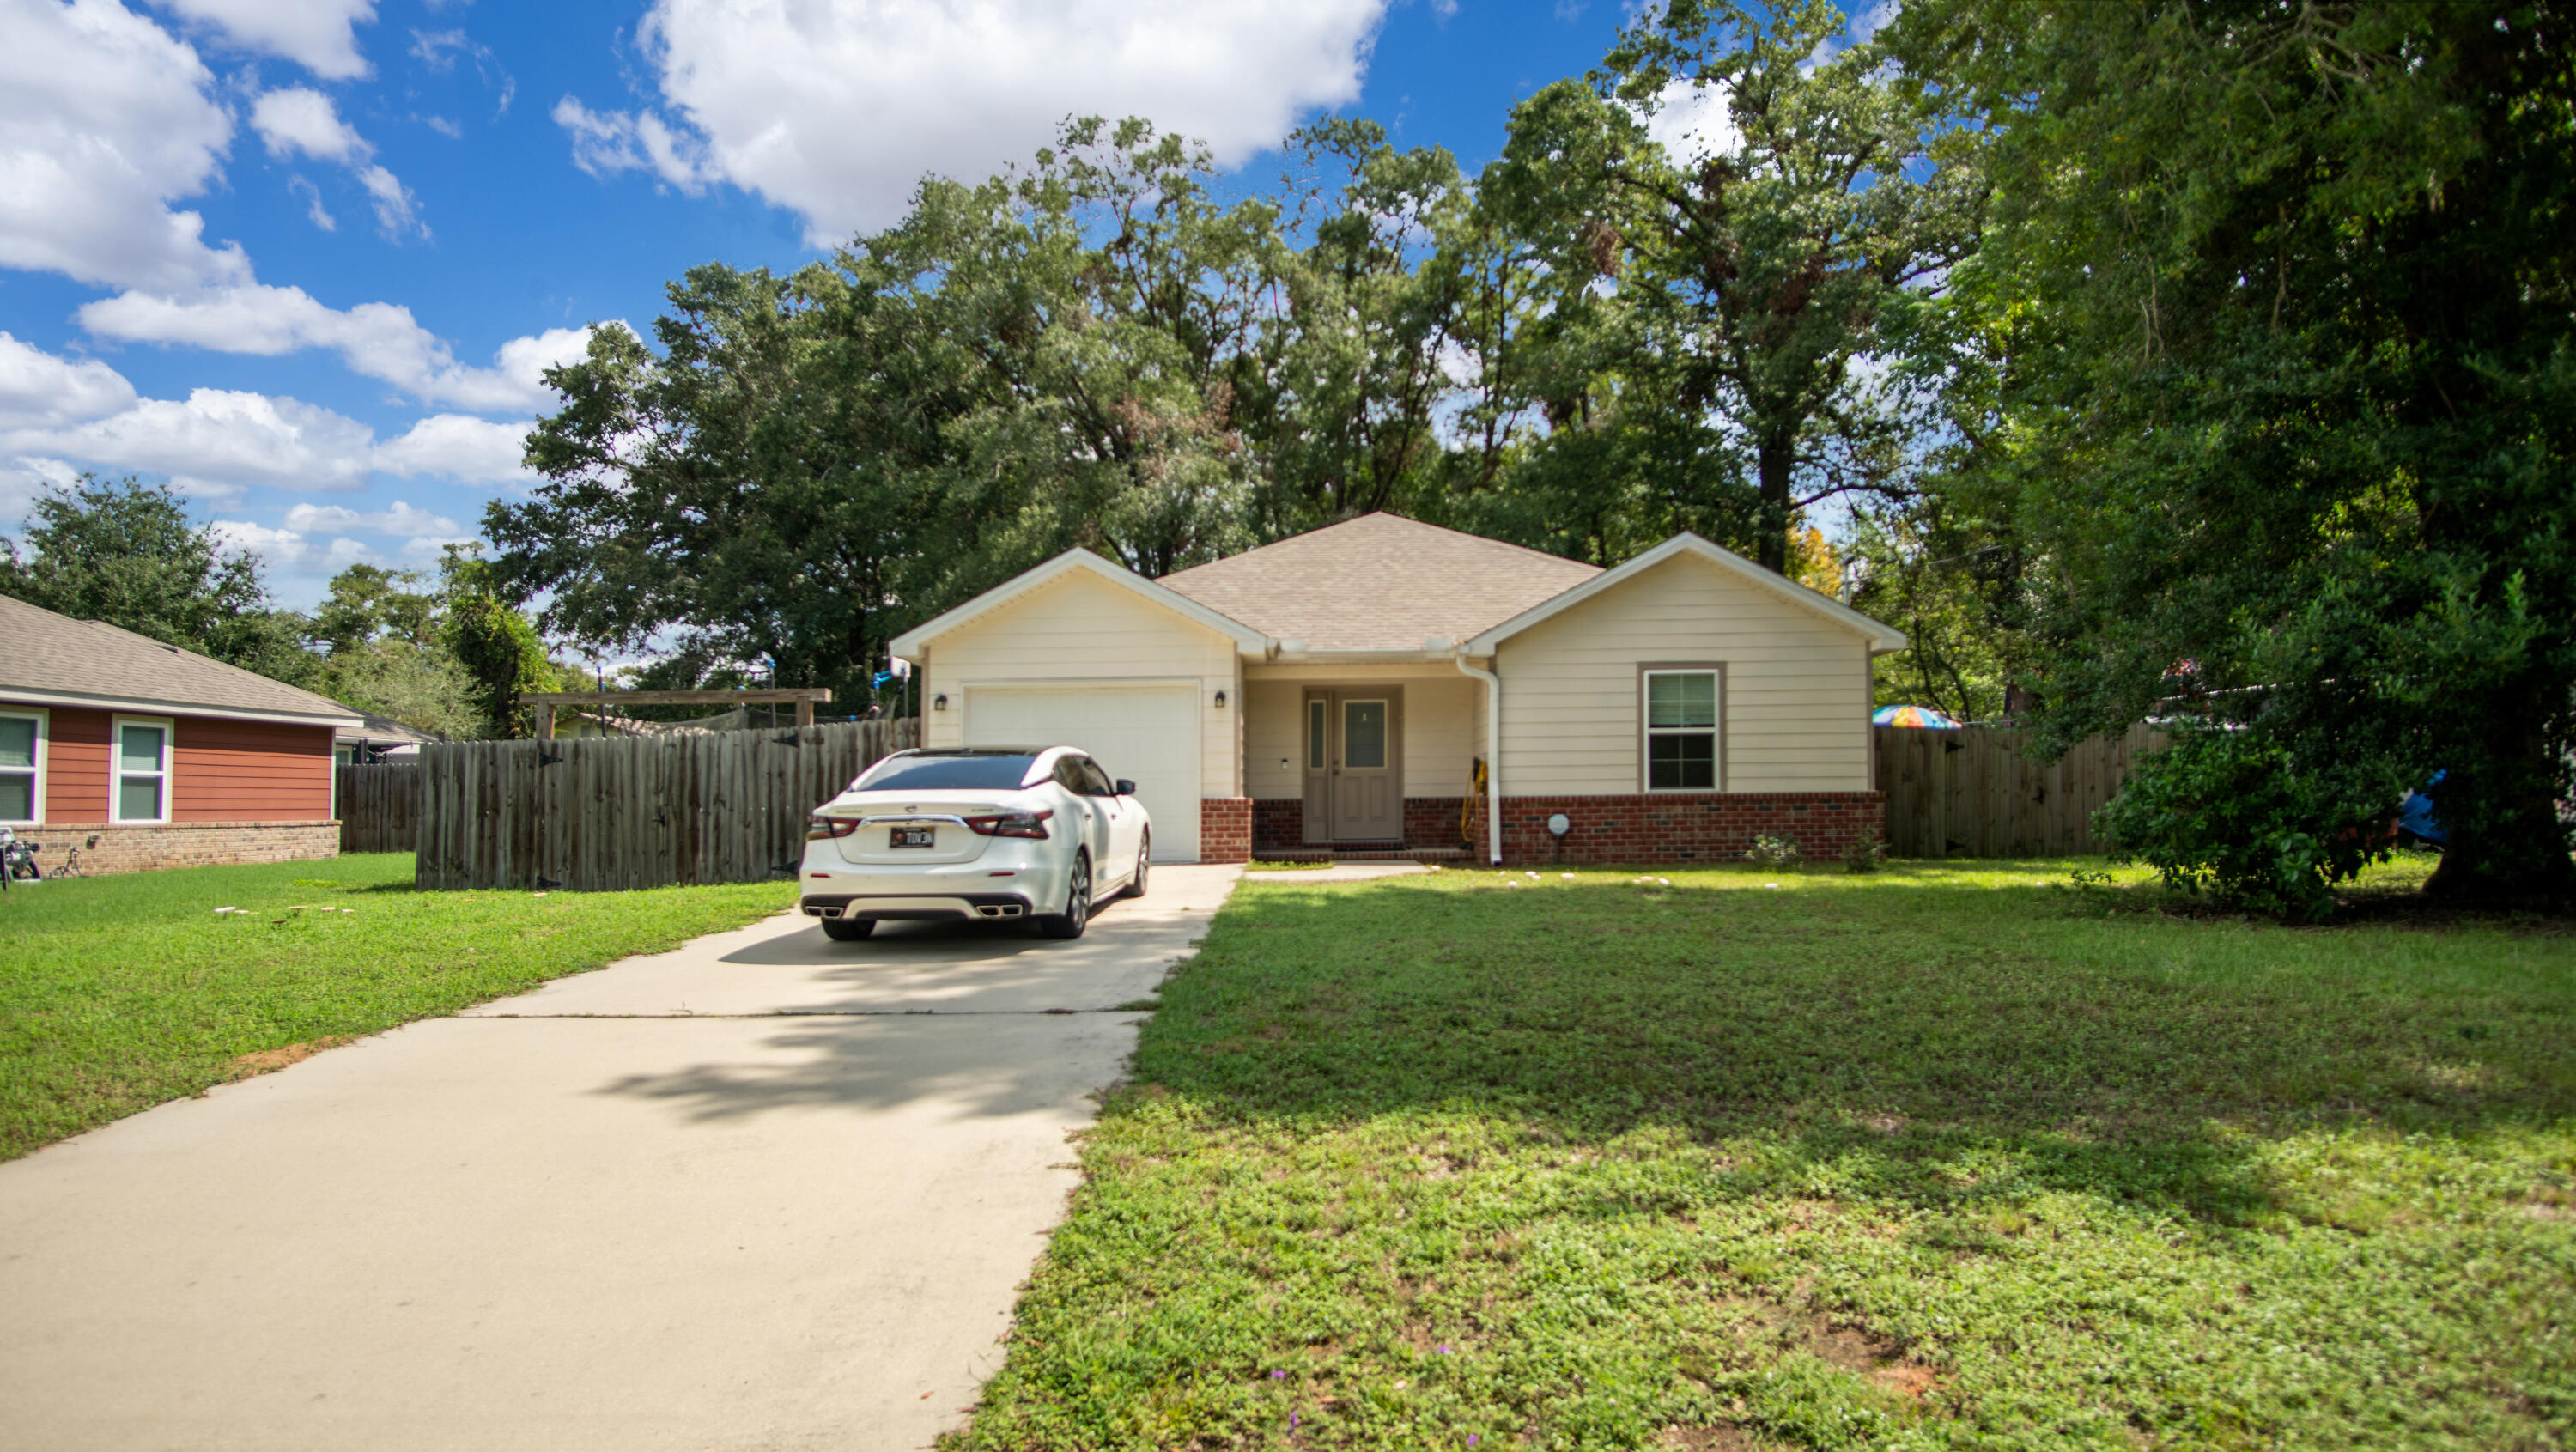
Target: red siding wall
250	771
76	766
221	771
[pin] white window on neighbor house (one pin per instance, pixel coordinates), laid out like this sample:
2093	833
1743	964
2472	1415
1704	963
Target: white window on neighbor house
22	767
1681	716
141	758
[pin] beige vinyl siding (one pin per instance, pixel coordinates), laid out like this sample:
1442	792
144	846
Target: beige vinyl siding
1795	708
1440	726
1079	627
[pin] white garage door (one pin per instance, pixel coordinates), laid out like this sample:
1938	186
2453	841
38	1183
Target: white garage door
1149	734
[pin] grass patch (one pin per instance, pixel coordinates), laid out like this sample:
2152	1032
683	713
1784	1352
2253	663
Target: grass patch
1947	1156
117	993
1314	864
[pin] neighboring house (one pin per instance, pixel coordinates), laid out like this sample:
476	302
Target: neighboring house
145	755
377	739
1336	690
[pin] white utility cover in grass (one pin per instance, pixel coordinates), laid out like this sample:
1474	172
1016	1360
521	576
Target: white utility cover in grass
1149	734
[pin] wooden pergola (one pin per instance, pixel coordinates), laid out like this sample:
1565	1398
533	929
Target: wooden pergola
803	696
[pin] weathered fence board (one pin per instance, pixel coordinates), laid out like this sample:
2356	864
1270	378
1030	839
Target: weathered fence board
609	813
379	806
1972	793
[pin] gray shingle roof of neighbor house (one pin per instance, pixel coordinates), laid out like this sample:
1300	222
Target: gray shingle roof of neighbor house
54	658
1378	582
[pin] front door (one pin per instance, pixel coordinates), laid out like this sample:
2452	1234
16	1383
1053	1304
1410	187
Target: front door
1354	765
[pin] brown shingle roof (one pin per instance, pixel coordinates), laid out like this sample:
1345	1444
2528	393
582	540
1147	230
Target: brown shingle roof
43	651
1378	582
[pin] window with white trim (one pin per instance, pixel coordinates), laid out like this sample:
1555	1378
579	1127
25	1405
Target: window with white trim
22	767
1681	716
142	760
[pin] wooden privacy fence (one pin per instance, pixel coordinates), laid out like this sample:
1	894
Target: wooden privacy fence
625	812
1971	792
379	806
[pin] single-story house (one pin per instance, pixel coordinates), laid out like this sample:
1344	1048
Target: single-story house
1339	690
377	739
145	755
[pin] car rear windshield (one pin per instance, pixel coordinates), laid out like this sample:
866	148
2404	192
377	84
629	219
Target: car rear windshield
910	773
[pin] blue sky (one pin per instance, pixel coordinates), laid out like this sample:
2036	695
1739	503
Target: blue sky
304	258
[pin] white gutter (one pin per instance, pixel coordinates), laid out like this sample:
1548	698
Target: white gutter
1493	756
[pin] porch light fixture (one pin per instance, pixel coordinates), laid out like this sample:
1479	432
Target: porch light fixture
939	702
1220	700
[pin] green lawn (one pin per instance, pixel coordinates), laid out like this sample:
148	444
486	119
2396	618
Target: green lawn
117	993
1943	1157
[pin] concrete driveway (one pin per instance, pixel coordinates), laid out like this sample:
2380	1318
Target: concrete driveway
765	1191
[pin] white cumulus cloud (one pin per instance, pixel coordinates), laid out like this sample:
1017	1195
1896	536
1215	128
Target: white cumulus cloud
37	388
217	437
401	520
301	121
320	35
379	340
453	446
105	119
836	108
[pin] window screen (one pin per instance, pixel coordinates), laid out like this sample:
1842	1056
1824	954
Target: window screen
17	768
1681	731
142	773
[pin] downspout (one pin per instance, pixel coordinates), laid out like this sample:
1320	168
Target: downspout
1493	756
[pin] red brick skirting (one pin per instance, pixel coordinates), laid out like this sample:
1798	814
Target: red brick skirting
1673	829
1225	829
125	847
1279	824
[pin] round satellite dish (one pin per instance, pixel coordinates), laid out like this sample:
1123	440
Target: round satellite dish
1560	824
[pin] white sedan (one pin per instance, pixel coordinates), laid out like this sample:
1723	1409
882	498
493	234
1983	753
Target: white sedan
1036	833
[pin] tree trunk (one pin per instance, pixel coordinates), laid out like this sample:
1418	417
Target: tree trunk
1771	526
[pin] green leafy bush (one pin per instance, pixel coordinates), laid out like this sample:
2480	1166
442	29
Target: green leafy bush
2230	812
1772	851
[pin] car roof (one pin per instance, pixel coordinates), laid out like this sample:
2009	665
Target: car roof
983	750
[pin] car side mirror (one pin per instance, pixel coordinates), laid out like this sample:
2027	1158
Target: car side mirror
1126	788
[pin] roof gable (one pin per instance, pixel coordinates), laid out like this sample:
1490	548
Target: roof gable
53	657
1380	582
910	644
1882	638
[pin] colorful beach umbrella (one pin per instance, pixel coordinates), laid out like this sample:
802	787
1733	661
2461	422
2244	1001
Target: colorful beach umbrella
1922	716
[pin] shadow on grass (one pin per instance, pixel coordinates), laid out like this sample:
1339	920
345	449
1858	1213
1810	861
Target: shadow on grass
1887	1035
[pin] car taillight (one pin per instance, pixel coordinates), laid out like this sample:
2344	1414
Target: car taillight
1017	824
819	828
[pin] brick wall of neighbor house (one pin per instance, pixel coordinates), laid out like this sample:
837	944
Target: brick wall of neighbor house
1677	829
125	848
1225	829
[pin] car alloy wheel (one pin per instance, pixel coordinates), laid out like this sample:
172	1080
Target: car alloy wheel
1144	864
1077	903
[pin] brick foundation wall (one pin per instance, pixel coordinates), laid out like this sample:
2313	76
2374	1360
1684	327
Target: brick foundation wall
1279	823
1431	821
1675	829
1225	829
125	847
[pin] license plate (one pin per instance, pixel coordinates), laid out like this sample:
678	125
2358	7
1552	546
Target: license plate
910	837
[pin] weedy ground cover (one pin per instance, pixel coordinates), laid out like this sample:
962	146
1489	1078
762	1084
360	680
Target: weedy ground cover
1948	1156
117	993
